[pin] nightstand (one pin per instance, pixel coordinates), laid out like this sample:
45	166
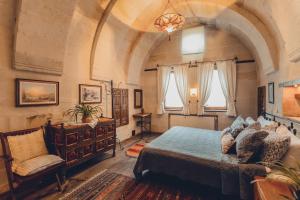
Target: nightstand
270	190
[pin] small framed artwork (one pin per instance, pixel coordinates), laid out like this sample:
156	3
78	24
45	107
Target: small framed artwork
271	92
138	98
36	93
90	94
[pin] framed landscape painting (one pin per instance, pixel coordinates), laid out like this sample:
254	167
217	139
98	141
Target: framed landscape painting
90	94
36	92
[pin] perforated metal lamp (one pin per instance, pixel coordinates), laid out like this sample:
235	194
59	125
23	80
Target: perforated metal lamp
169	22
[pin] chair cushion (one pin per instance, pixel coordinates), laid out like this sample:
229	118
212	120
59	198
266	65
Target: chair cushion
36	164
25	147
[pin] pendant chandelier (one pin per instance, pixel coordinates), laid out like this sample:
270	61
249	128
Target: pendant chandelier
169	22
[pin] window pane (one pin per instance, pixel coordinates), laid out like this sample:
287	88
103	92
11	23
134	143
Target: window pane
216	98
173	99
192	41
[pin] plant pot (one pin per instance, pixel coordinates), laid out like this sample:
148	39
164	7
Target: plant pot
86	119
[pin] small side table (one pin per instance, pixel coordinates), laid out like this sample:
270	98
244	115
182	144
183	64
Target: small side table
144	121
270	190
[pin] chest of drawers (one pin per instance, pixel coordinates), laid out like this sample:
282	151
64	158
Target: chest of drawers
79	143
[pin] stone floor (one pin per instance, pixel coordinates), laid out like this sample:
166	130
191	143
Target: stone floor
121	164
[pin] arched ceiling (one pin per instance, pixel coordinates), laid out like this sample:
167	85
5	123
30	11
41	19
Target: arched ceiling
225	14
122	34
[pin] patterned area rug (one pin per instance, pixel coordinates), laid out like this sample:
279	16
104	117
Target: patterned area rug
134	151
111	186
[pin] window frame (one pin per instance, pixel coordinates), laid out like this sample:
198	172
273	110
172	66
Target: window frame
169	108
201	49
216	108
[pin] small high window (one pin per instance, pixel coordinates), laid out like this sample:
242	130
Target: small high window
216	100
173	100
192	40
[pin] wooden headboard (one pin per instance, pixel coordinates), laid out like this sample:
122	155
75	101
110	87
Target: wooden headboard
215	117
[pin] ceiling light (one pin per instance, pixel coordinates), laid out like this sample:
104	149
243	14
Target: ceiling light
169	22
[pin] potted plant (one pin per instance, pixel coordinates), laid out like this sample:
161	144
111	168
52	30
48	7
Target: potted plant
287	175
87	112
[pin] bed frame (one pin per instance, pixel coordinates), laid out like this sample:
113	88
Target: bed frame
280	120
216	123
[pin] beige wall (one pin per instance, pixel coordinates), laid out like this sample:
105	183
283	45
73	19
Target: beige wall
76	70
219	45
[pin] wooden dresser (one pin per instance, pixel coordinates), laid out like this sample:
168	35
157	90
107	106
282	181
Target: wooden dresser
269	190
79	143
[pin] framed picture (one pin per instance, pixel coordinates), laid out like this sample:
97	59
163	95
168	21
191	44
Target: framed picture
36	93
90	94
271	92
138	98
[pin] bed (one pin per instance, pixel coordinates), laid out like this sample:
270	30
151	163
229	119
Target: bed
194	154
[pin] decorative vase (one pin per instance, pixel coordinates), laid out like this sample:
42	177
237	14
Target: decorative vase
86	119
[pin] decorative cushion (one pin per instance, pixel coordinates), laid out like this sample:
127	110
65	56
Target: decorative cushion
225	131
227	142
36	164
237	126
255	125
291	158
266	124
283	130
25	147
248	143
275	146
249	121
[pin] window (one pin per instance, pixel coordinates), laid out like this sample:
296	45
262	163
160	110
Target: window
192	41
216	100
173	100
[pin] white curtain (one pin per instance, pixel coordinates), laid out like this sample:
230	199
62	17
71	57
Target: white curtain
227	76
163	78
205	74
181	78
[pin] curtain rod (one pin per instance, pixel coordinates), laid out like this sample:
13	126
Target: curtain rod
198	62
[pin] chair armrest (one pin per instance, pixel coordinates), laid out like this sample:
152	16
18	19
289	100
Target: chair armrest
7	158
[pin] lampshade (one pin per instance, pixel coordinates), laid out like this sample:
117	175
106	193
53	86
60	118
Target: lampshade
169	22
193	92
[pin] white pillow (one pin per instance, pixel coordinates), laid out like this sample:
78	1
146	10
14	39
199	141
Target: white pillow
293	154
249	121
266	124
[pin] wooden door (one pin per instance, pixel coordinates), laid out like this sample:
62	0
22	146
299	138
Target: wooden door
261	100
124	107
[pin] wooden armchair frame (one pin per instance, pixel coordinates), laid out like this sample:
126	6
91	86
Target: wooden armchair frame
15	181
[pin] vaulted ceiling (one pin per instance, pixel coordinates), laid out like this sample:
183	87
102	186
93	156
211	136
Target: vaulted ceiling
120	34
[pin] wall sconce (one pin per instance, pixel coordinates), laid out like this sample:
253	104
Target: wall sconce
193	92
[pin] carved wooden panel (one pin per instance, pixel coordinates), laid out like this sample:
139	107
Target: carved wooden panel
121	106
117	106
124	107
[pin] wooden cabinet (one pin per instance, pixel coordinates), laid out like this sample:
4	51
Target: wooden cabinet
120	106
79	143
270	190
